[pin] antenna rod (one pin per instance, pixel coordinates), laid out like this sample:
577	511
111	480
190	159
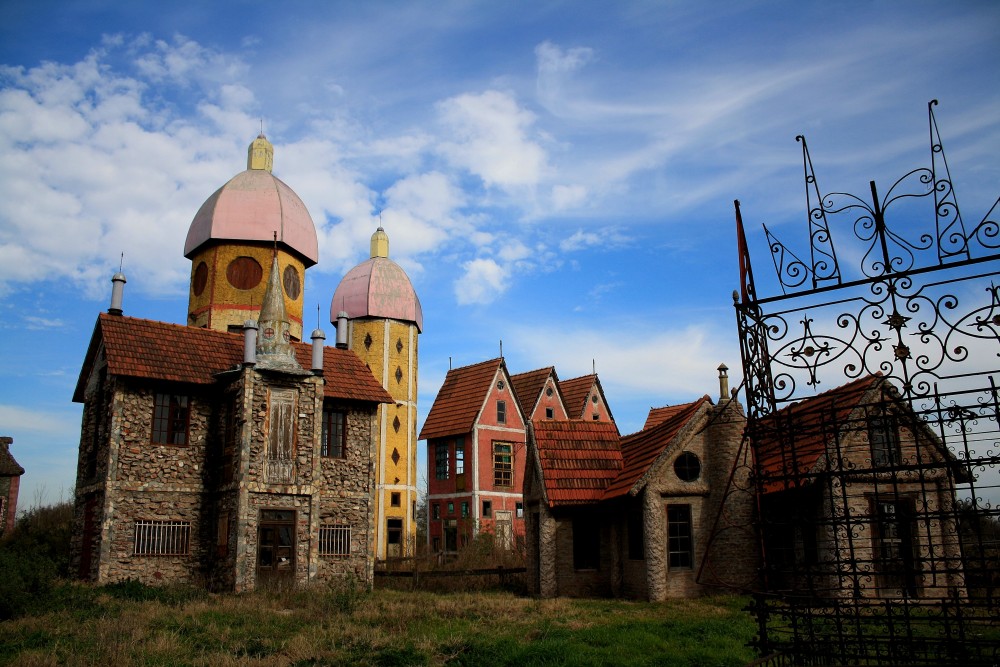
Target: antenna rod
121	263
501	348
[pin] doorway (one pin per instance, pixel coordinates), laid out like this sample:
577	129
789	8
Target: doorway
276	548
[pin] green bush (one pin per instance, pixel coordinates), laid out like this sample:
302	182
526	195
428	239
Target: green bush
27	580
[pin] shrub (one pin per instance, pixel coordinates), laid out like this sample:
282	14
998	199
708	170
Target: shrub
27	580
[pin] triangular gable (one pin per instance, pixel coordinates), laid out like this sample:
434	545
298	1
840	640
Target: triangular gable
643	451
492	392
530	386
575	392
460	400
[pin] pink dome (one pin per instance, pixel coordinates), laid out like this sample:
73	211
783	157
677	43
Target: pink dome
251	207
378	287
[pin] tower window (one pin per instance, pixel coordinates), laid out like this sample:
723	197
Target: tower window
291	282
244	273
394	499
200	279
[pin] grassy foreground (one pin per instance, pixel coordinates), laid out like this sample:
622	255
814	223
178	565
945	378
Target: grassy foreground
130	624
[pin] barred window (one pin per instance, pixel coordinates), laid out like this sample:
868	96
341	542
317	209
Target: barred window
162	538
335	540
170	419
503	464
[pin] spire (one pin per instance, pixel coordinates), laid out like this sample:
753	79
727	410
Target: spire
380	243
260	154
274	347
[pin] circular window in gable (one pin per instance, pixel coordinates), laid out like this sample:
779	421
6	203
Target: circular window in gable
244	273
687	467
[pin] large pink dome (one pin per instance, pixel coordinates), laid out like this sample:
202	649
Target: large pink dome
378	287
251	207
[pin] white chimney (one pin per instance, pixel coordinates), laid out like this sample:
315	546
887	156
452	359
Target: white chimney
249	343
342	330
317	361
117	293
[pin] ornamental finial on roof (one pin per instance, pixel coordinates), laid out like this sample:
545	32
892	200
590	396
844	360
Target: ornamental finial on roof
380	243
260	153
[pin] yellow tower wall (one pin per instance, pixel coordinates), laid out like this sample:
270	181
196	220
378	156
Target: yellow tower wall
221	305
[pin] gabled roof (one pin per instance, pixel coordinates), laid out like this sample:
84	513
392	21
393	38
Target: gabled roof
459	400
161	351
528	387
8	466
807	426
660	415
575	392
577	459
641	450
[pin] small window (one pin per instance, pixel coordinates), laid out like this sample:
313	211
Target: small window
459	457
519	510
394	499
548	391
593	399
162	538
335	540
465	509
687	467
334	434
501	412
394	531
883	434
680	554
586	544
171	413
549	413
441	460
436	511
503	464
451	508
597	417
500	385
487	509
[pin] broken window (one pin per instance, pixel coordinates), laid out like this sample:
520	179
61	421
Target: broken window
171	414
441	460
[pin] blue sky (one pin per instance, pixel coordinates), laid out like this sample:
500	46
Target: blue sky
558	175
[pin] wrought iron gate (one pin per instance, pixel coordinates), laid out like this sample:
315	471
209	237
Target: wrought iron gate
872	389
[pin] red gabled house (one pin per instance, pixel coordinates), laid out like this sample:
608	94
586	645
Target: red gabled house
475	457
584	399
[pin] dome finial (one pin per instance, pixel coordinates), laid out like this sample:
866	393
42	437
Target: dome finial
260	153
380	242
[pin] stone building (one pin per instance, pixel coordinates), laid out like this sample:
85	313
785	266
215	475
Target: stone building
10	483
377	305
858	498
226	453
632	516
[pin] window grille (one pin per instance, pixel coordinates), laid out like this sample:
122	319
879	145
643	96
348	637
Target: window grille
335	540
162	538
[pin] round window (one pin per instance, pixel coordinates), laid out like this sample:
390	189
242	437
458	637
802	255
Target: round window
500	385
593	399
548	391
290	279
687	467
200	279
244	273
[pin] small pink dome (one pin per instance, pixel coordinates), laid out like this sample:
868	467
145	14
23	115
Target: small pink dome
251	207
378	287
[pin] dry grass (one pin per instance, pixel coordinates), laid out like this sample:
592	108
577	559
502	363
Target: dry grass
347	627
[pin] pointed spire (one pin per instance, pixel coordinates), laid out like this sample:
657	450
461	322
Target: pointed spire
260	154
380	243
274	347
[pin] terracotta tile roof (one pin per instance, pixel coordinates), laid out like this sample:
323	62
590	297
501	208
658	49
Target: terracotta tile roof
575	393
528	387
8	466
640	450
578	459
459	400
660	415
162	351
807	425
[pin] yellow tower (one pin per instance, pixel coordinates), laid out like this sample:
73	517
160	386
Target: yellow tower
376	304
231	241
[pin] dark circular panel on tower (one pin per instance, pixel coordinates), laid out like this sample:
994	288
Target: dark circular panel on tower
200	279
687	467
293	286
244	273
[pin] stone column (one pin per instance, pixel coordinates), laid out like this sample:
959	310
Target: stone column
654	526
547	583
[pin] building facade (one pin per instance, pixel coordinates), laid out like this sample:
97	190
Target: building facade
10	483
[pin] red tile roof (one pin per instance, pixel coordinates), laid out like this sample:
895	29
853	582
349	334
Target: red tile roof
528	387
640	450
575	393
578	459
459	400
162	351
807	426
660	415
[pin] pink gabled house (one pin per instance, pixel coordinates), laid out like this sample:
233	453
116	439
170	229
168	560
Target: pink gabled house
475	458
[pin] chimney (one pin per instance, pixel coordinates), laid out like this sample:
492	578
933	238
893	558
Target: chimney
249	343
317	361
723	383
117	292
342	330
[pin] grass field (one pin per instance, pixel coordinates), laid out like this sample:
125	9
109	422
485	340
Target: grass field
130	624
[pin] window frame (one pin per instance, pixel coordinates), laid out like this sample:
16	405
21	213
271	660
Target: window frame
442	460
327	450
487	509
167	425
503	470
680	537
501	411
459	456
883	439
